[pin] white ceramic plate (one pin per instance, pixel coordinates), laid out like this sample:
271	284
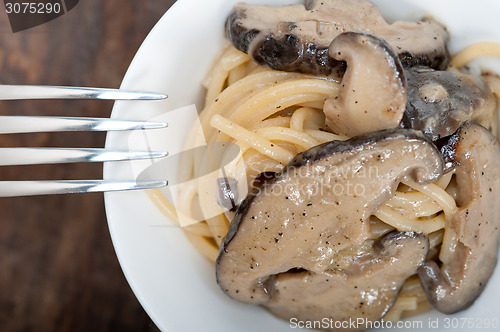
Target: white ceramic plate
173	282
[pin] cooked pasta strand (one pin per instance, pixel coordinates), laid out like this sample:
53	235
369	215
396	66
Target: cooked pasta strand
438	194
288	135
260	144
400	222
472	52
281	96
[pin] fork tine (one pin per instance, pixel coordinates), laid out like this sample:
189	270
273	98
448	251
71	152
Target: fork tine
32	156
49	187
15	92
35	124
27	124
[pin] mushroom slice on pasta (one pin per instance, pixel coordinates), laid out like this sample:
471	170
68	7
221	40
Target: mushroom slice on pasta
317	206
470	260
363	282
440	101
296	37
372	95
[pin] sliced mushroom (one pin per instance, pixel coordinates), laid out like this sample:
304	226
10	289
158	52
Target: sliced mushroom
372	95
440	101
296	37
457	284
317	206
362	284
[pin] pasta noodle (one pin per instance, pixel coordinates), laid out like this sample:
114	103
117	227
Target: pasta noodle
274	115
474	51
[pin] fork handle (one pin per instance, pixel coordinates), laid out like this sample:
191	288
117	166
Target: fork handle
16	92
14	124
50	187
33	156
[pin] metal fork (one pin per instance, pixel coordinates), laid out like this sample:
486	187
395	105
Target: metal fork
40	155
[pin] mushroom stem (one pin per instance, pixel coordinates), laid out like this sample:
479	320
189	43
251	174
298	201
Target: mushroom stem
372	94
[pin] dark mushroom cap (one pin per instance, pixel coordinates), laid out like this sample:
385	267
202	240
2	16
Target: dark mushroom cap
440	101
296	37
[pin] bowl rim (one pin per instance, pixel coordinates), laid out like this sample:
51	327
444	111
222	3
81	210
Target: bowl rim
111	171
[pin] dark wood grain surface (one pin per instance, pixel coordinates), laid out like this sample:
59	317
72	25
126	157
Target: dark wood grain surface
58	269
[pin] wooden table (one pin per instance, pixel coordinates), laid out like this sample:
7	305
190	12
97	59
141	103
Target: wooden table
58	269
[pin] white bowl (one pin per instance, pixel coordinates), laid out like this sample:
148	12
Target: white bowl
173	282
